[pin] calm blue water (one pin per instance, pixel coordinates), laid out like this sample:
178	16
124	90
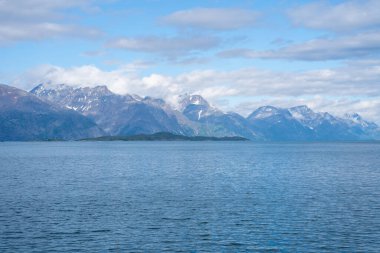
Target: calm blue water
189	197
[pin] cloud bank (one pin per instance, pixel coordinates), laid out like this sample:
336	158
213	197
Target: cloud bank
166	46
22	20
342	17
353	87
345	47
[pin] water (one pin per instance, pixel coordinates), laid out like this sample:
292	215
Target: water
189	197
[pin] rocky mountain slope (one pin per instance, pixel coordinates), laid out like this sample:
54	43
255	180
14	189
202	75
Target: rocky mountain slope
300	123
25	117
214	122
117	114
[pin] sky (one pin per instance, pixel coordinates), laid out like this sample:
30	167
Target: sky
238	54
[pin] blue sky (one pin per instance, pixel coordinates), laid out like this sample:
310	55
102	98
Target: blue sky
237	54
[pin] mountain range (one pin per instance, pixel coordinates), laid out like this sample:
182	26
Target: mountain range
69	113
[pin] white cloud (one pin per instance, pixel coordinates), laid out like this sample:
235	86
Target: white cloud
344	16
39	19
167	46
122	80
212	18
350	88
36	9
345	47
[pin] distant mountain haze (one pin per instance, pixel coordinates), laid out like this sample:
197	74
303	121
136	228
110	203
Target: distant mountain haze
65	112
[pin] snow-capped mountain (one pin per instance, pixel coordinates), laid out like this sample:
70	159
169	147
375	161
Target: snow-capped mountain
108	113
195	107
302	123
306	116
278	124
329	127
188	99
213	121
355	119
369	129
116	114
84	100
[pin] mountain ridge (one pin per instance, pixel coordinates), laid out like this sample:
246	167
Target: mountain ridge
199	117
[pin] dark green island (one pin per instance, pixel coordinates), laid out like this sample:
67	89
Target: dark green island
164	136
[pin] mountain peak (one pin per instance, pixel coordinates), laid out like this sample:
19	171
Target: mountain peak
353	116
187	99
45	87
10	95
102	88
64	90
301	108
268	108
195	107
302	112
197	100
265	111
